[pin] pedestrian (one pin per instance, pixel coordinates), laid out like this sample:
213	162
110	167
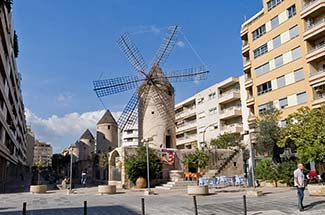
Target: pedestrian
299	182
83	178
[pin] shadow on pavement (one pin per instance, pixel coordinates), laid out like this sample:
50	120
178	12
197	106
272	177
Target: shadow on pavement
111	210
311	205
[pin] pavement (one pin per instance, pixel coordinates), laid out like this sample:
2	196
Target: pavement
225	201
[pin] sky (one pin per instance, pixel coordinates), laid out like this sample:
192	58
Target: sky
65	45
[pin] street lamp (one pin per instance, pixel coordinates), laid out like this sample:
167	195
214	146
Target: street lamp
205	129
146	141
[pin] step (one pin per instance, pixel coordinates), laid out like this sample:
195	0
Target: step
163	188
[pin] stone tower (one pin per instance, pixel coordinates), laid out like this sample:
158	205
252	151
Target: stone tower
86	145
107	133
152	123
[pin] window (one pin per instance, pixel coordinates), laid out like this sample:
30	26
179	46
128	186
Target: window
276	42
301	98
259	32
200	101
108	127
260	50
293	32
213	110
264	107
291	11
264	88
299	74
281	81
201	115
283	102
212	95
262	69
296	53
278	61
272	4
274	22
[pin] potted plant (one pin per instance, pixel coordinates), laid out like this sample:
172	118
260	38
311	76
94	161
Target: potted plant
38	188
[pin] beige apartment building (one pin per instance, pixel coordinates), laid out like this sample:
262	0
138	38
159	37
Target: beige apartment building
211	112
12	119
43	153
284	56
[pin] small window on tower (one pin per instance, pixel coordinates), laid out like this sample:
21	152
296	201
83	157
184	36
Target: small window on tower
235	163
169	92
152	112
108	127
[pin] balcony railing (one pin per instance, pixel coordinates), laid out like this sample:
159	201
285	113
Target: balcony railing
231	126
230	109
227	93
316	48
317	23
310	3
316	73
186	111
319	96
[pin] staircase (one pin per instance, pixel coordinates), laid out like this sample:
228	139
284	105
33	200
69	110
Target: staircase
227	161
176	185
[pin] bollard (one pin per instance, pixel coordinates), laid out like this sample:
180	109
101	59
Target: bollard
244	203
85	207
142	205
24	208
195	205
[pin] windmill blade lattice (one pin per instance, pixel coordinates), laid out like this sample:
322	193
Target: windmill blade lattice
132	53
116	85
166	45
190	74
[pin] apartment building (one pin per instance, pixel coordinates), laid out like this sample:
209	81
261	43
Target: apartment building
43	153
12	119
211	112
284	56
130	137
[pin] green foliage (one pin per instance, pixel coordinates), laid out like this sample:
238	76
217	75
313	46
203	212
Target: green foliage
268	131
197	159
136	165
306	130
268	170
103	160
225	140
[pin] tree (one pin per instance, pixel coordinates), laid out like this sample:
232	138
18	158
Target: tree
225	140
104	162
136	165
196	160
306	130
267	135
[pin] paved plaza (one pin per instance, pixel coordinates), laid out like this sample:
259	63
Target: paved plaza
226	201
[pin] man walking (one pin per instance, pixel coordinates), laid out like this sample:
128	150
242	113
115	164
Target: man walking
299	181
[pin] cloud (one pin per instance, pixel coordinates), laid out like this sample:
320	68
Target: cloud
61	131
180	44
144	29
64	98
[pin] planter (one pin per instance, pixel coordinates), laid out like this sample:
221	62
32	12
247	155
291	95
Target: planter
176	175
316	190
141	183
38	188
106	189
198	190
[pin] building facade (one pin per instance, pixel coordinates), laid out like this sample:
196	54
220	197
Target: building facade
130	137
211	112
43	153
31	141
284	56
12	119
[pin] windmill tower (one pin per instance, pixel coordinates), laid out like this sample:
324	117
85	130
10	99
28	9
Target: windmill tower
106	133
152	105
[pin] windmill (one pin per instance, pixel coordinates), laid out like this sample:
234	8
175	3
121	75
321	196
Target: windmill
152	104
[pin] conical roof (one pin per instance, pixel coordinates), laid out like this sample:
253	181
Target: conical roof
107	118
87	135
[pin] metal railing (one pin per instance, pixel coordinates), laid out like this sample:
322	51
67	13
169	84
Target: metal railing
317	23
316	48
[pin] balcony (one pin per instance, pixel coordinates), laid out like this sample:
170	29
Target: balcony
229	96
317	78
245	48
316	54
315	31
232	128
250	100
186	139
318	101
187	112
229	113
251	118
248	81
246	64
187	126
313	8
244	31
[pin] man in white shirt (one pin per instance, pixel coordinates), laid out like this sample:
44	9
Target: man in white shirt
299	181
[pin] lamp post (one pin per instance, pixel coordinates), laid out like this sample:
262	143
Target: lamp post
205	129
146	141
